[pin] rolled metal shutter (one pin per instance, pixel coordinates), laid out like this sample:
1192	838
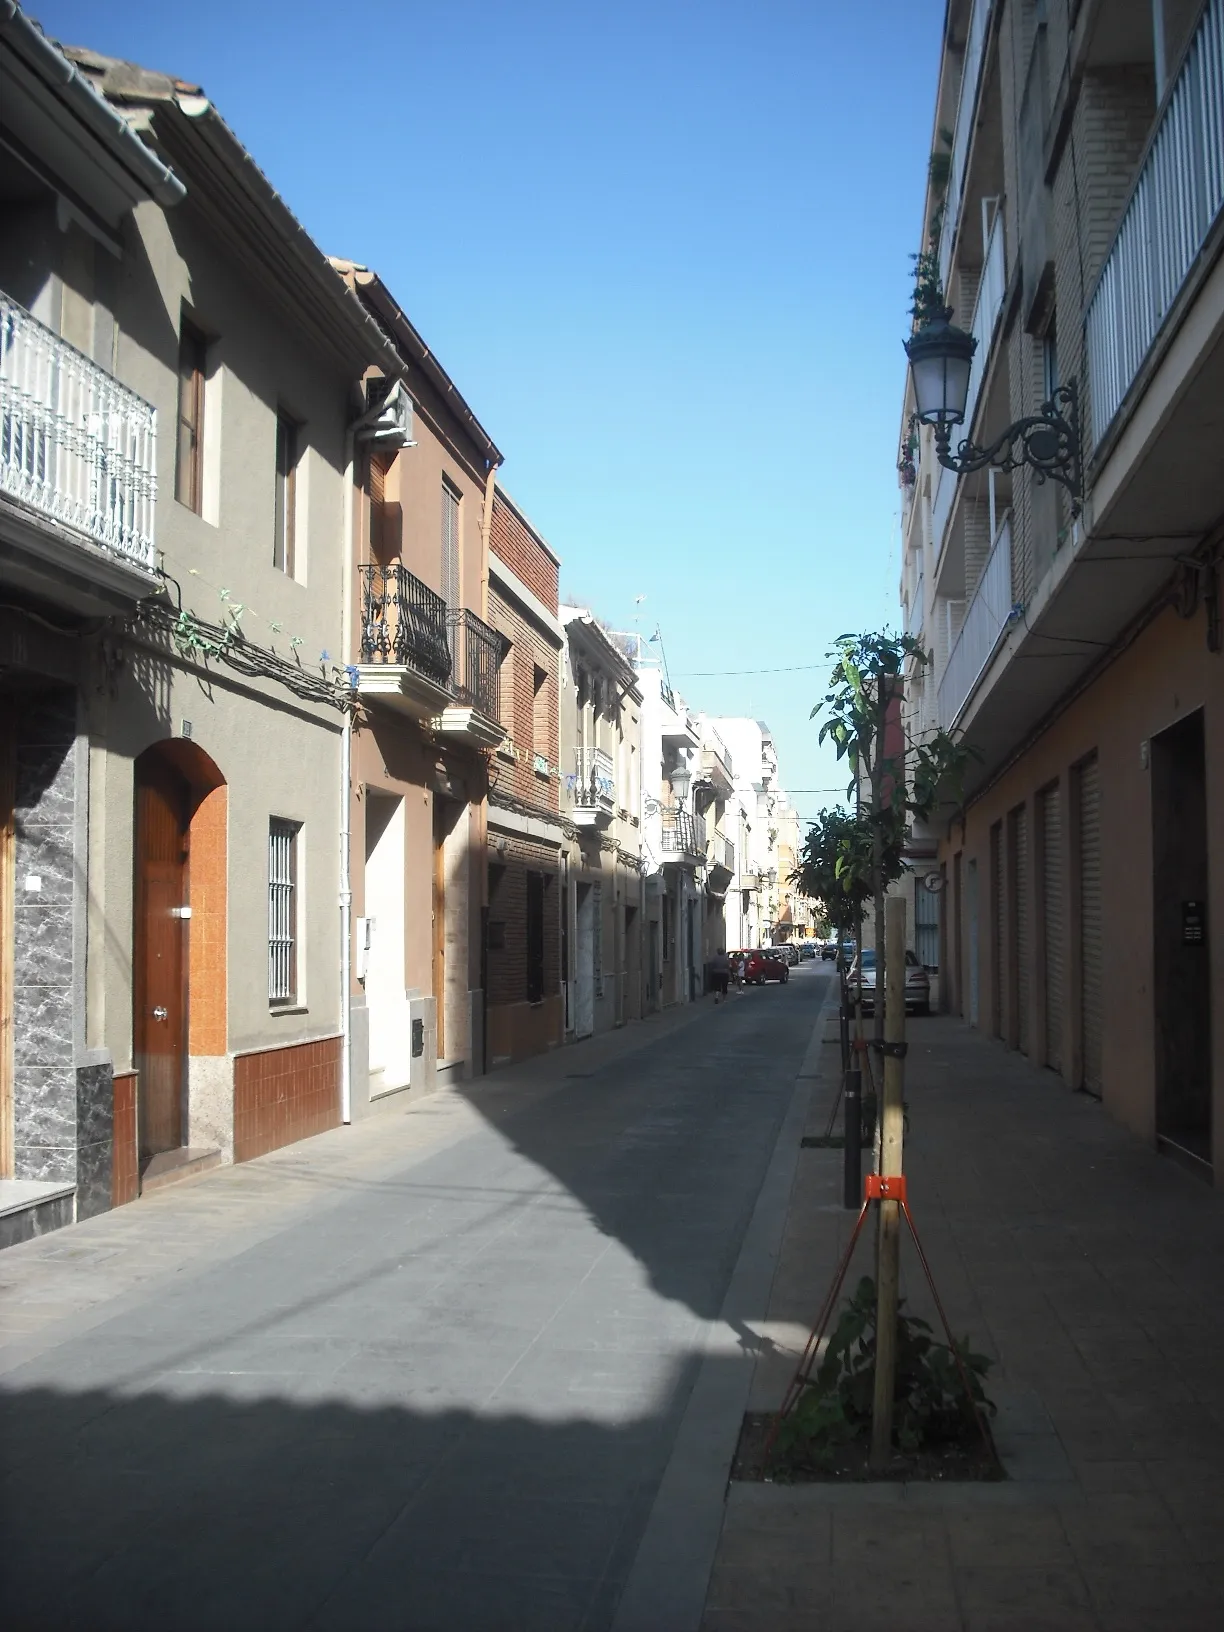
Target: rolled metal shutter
1090	926
1054	920
1020	933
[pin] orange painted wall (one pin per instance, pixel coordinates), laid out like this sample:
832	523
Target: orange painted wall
1164	675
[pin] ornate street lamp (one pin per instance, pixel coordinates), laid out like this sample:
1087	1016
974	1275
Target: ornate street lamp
680	779
940	358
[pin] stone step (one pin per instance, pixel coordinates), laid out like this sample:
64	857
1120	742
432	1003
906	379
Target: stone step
174	1166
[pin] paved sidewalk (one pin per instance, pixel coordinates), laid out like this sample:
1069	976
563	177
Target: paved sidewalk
1092	1270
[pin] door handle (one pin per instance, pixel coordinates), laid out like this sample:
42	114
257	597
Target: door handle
161	1014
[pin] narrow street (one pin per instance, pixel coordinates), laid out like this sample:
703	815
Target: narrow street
436	1389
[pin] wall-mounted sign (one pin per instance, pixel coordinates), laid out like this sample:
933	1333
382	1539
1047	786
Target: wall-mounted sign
1194	923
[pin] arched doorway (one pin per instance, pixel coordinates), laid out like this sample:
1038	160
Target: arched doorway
179	832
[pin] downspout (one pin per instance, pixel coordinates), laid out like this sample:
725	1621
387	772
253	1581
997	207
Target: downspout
346	760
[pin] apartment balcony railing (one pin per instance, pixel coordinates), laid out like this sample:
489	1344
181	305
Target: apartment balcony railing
475	660
75	445
971	76
1176	199
914	614
403	622
684	833
986	310
594	783
988	615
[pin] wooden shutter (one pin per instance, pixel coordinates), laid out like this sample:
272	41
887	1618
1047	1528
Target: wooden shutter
1021	944
1090	924
1053	920
189	453
450	546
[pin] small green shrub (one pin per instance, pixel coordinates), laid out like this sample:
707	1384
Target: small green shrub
929	1406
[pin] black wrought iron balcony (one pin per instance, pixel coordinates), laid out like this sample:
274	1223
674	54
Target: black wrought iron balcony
684	834
476	652
403	623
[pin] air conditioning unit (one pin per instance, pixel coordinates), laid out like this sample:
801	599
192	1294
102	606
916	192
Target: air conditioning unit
388	417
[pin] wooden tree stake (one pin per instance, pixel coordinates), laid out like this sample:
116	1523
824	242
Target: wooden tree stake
892	1124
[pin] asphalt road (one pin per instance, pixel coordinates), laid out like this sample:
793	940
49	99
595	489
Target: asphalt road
444	1398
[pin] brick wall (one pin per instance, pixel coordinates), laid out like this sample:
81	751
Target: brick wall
513	768
282	1095
523	551
508	909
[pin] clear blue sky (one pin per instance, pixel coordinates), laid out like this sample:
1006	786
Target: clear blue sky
661	246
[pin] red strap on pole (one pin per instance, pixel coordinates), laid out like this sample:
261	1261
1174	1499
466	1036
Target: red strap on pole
886	1187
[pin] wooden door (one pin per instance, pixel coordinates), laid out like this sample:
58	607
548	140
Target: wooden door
159	973
439	925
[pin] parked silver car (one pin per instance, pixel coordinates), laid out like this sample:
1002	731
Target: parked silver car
788	952
862	978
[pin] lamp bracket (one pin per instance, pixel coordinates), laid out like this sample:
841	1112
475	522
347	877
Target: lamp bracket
1048	442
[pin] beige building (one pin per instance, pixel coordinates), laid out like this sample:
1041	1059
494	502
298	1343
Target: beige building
425	663
601	765
1078	649
178	366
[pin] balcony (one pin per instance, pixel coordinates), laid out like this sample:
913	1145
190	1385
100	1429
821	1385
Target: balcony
78	473
720	861
405	655
915	612
988	616
594	788
684	836
1176	200
476	653
986	310
966	107
716	766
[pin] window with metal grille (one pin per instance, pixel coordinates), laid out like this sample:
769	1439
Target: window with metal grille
282	911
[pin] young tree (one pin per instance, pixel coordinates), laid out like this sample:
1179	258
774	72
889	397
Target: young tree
866	681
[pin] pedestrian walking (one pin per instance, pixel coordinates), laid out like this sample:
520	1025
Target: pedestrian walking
720	967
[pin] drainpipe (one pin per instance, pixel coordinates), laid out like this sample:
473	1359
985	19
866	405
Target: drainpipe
346	760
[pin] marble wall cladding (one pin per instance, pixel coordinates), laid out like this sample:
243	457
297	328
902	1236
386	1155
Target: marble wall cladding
32	1221
45	1093
95	1139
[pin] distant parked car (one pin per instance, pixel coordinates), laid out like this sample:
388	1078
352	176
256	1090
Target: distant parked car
807	950
862	978
788	951
765	964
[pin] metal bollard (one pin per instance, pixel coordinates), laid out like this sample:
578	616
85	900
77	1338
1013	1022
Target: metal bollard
852	1150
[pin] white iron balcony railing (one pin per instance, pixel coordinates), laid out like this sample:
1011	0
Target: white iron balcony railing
74	443
988	615
986	310
1176	199
971	75
595	779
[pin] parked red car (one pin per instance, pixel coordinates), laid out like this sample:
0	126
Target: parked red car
764	964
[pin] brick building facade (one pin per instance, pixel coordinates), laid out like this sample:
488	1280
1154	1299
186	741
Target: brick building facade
526	831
